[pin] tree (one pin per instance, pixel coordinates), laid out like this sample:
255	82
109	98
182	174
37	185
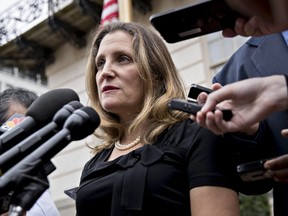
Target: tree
254	205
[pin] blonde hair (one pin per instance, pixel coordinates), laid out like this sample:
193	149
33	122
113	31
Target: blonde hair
161	83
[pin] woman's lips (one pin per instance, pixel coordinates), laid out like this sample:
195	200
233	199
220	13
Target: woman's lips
109	88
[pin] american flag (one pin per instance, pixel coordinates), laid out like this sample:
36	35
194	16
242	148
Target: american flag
110	11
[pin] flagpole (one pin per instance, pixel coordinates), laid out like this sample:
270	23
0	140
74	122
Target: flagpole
125	10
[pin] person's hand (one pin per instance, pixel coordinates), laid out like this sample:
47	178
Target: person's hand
213	120
250	100
284	133
262	17
202	97
251	27
278	167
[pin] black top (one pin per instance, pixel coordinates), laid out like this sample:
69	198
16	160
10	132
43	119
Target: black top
156	179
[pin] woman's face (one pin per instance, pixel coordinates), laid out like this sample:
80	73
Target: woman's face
120	87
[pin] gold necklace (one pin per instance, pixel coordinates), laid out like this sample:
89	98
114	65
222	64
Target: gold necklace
123	147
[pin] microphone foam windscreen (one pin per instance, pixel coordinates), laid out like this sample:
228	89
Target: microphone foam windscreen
84	122
94	119
75	104
43	108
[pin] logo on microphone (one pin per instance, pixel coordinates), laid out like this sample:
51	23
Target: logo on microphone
14	120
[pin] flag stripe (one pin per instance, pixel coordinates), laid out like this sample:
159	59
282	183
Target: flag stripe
110	11
108	3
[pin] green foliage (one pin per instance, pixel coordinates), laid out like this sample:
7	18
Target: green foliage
254	205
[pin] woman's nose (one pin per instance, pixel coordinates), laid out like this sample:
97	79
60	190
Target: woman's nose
107	71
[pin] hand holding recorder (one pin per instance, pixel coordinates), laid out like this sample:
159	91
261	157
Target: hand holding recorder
192	105
251	101
193	20
276	168
232	17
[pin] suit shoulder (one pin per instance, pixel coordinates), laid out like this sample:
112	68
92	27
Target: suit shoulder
256	41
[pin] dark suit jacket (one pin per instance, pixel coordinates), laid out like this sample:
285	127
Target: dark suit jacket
259	57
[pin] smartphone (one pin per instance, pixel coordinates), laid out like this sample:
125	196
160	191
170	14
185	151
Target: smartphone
195	90
252	171
193	20
193	108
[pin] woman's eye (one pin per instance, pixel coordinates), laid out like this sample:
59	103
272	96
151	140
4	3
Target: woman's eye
100	64
124	59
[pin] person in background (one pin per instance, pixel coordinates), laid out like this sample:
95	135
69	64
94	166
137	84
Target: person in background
153	160
17	100
264	56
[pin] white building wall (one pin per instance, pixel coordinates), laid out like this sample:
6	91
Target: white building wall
68	72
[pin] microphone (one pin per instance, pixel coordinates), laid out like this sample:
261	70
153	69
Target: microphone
79	125
38	114
25	147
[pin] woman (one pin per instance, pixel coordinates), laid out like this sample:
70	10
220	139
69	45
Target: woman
153	160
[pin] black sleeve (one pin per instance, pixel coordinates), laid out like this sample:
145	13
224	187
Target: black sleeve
213	162
247	149
210	161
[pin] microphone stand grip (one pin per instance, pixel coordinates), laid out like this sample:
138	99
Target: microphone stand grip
27	192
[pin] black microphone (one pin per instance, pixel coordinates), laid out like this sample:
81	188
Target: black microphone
24	148
79	125
40	112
